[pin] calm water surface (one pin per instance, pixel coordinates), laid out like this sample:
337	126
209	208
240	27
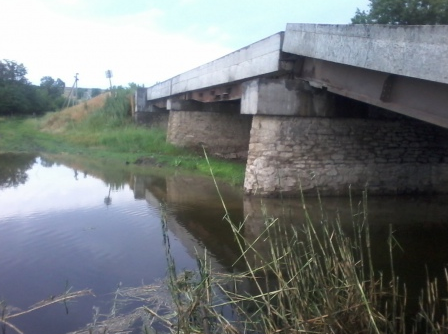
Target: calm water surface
59	224
90	228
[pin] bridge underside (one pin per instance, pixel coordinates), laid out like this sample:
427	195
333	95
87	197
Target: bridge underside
302	135
417	98
342	144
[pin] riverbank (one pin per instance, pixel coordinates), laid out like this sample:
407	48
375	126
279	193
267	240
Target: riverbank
107	133
316	276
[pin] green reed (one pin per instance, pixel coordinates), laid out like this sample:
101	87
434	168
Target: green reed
314	278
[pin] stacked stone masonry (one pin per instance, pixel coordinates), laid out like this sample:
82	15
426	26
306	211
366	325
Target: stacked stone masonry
222	134
335	154
152	119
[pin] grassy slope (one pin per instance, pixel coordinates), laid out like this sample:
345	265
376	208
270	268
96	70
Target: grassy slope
88	131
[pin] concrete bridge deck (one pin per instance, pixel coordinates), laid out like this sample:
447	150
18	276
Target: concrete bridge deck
400	68
310	74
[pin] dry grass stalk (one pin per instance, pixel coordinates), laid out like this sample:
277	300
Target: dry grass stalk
58	299
312	279
315	279
63	298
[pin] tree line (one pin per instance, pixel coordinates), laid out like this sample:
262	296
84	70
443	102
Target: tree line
403	12
19	97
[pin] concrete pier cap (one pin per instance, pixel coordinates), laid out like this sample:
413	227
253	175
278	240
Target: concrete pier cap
285	97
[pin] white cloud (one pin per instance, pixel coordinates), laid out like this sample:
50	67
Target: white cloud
131	46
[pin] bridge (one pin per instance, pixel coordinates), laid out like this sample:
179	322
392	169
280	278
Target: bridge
327	106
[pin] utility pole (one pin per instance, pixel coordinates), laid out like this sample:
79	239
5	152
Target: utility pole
74	89
109	76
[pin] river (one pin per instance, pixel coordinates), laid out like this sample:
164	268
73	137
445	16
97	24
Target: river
65	225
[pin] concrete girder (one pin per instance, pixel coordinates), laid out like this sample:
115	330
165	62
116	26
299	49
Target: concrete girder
185	105
220	93
193	105
417	98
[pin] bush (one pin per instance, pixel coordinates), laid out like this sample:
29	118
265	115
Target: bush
113	114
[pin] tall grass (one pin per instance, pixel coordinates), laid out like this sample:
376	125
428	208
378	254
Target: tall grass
107	124
315	278
192	291
115	112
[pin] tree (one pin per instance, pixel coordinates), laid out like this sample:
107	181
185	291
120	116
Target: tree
55	88
405	12
96	92
12	73
50	93
16	92
19	96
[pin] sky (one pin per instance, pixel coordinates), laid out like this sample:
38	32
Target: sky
144	41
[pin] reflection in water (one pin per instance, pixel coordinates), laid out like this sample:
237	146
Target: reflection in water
195	213
104	228
108	199
55	228
13	169
420	226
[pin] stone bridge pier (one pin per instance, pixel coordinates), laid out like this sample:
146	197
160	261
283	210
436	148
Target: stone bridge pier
385	156
218	127
295	138
304	138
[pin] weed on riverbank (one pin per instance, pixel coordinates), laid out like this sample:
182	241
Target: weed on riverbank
317	278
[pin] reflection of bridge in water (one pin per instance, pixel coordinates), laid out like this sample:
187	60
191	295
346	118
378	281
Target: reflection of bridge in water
194	213
195	217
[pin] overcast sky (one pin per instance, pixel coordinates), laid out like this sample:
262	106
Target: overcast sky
144	41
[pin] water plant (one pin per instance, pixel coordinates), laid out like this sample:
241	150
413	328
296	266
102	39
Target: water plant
317	277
